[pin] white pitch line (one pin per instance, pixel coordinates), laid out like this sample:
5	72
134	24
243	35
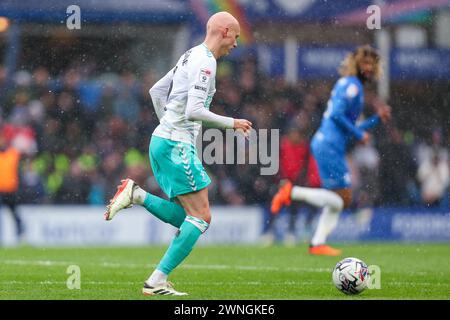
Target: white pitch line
105	264
196	283
409	283
49	282
50	263
220	283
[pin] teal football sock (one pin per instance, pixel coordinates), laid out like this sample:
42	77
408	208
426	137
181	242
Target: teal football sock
165	210
182	244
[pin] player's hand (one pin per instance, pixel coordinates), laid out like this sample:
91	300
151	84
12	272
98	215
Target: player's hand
242	125
382	109
384	112
365	138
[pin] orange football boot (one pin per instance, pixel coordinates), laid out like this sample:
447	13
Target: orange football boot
324	250
282	197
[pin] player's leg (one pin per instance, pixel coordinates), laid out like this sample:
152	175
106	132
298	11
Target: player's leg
327	223
335	177
167	211
282	197
180	174
268	235
198	217
334	196
168	168
317	197
347	196
290	238
129	193
331	202
328	162
10	200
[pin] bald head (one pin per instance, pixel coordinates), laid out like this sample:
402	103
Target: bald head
220	21
222	32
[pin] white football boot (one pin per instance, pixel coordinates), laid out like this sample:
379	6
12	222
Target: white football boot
121	200
164	289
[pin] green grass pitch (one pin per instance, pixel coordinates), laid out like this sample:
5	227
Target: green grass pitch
408	271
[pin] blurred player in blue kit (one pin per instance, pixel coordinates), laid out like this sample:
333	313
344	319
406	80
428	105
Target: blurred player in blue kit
337	131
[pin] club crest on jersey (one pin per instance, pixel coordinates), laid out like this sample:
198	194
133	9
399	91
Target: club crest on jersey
205	74
352	90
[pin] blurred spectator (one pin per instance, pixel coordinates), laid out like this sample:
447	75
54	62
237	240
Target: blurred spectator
126	104
365	161
397	170
111	168
31	184
425	151
75	186
40	84
102	120
9	181
433	175
19	113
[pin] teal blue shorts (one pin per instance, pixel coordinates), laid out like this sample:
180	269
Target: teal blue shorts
176	167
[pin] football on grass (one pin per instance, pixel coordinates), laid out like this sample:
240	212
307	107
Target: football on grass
351	276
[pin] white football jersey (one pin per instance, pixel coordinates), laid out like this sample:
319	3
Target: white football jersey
194	75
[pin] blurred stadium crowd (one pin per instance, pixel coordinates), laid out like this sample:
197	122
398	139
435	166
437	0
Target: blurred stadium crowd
80	132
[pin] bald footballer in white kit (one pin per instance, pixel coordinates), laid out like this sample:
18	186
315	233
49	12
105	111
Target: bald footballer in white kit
182	99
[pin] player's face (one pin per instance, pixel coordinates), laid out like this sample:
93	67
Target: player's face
367	68
230	39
